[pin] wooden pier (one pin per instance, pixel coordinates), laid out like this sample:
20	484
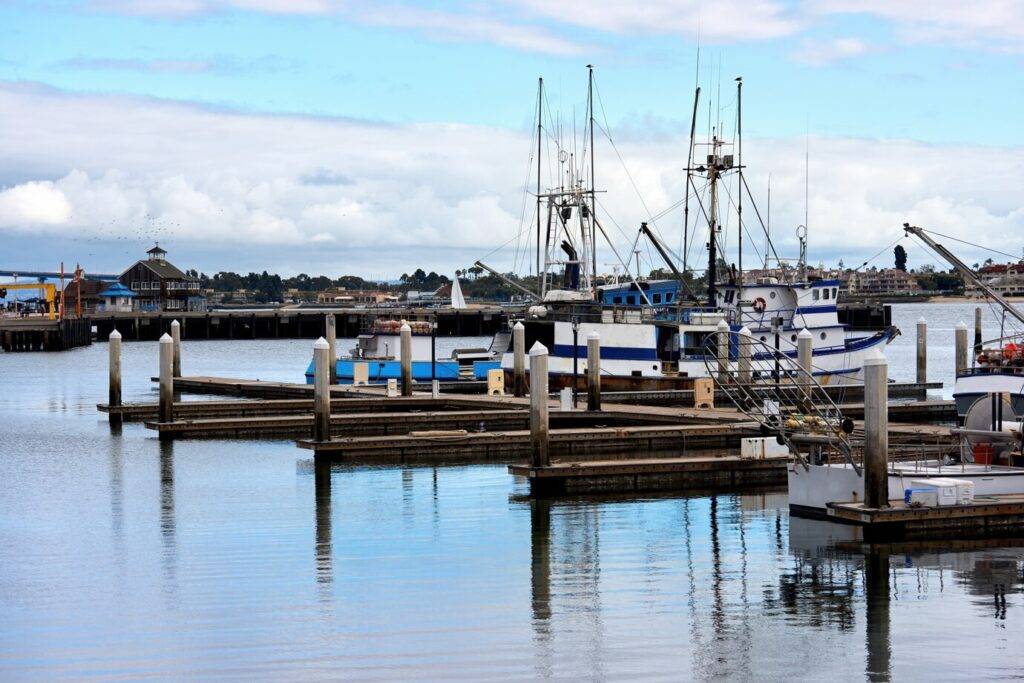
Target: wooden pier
653	474
293	323
43	334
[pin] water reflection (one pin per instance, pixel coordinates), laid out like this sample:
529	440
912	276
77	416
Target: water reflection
168	528
324	546
540	582
831	561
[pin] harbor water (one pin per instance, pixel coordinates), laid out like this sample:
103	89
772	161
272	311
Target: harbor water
125	557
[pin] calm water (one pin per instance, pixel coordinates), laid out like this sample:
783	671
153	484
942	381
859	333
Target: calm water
121	557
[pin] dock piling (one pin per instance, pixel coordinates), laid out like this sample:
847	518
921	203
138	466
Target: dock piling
960	353
176	338
744	353
723	350
114	395
166	378
321	390
805	355
977	329
876	431
922	351
539	406
405	333
519	360
330	326
593	371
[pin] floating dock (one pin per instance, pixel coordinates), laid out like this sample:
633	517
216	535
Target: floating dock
987	516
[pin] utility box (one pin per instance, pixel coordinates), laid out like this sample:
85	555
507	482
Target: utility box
703	392
496	382
761	447
921	497
392	388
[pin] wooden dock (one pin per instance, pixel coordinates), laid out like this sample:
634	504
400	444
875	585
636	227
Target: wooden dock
42	334
653	474
987	516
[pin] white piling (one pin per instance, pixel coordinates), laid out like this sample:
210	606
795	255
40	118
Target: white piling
876	430
593	371
405	334
744	355
321	390
960	350
114	394
166	409
539	405
176	338
330	325
435	388
723	350
519	360
922	351
805	355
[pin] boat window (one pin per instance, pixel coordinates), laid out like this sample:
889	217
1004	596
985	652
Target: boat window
617	300
835	293
793	338
822	336
656	298
771	295
668	297
815	294
824	293
631	299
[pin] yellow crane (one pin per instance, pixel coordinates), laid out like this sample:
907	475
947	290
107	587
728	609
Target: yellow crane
49	293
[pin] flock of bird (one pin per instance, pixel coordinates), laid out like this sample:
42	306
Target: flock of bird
129	235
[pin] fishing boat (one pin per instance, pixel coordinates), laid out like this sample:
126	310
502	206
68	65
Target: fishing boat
653	336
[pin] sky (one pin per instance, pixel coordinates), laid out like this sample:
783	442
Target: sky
335	137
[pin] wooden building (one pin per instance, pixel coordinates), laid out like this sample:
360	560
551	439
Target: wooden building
160	286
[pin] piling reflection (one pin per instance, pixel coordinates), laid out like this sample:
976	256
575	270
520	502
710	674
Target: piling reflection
324	545
540	582
168	529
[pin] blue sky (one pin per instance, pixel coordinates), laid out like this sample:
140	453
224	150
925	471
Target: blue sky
919	73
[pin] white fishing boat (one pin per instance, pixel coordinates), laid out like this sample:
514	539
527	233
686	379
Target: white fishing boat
652	343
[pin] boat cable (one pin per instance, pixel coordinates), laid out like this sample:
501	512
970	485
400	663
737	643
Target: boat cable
977	246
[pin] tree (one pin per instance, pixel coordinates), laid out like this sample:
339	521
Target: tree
901	257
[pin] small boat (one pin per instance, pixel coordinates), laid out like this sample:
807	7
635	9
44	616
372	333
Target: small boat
380	350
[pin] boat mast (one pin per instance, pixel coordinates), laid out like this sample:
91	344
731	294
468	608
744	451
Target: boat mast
713	219
689	182
593	185
739	165
540	112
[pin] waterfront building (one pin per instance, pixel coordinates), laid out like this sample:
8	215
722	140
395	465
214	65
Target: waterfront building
116	299
341	295
88	291
1007	279
159	285
881	282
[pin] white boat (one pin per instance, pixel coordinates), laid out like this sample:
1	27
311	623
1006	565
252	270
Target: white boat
656	344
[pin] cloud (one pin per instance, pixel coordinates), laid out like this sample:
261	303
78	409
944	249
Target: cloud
824	52
118	170
982	24
181	66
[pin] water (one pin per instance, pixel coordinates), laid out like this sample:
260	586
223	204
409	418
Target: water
121	557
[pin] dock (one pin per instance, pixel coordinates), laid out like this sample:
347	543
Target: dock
37	333
986	517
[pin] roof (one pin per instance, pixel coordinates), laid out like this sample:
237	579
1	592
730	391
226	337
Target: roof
161	268
117	289
156	250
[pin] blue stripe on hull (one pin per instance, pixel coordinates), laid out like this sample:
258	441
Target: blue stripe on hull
608	352
383	370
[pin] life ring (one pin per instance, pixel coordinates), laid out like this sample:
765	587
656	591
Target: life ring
760	304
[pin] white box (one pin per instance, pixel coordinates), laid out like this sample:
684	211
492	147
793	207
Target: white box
761	447
964	489
945	492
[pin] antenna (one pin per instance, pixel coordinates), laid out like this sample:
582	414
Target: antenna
540	119
739	165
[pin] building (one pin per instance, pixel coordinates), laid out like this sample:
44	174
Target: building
340	295
161	286
881	282
89	290
1007	279
117	299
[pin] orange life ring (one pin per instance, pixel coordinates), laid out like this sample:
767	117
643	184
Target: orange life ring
760	304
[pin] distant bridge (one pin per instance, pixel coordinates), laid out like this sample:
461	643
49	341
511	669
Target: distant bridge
68	275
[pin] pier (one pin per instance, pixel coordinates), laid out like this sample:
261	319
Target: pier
37	333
